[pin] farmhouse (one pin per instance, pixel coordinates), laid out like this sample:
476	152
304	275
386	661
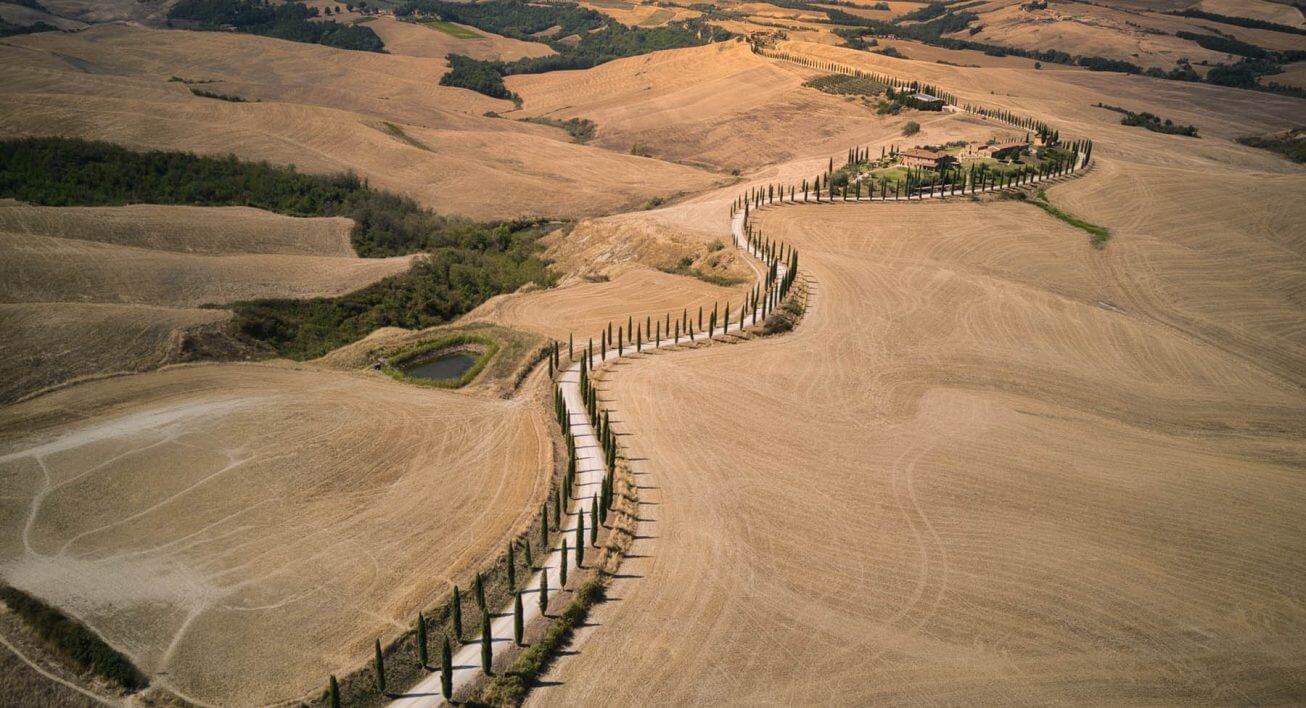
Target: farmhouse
997	150
928	99
917	157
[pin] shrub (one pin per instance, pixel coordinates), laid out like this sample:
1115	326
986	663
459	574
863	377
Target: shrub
73	640
484	77
911	128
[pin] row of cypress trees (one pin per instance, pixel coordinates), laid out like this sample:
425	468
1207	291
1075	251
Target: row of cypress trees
1049	134
760	301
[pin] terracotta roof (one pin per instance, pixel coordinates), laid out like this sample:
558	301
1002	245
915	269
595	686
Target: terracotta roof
923	154
1004	146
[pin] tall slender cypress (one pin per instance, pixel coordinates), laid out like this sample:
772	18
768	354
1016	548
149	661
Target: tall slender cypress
562	566
517	618
446	670
594	521
333	692
544	526
511	564
580	539
421	640
487	652
457	615
544	590
378	665
480	591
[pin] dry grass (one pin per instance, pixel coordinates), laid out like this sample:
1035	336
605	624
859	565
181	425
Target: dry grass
243	531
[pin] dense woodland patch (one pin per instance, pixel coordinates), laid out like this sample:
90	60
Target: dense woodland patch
292	21
467	262
582	38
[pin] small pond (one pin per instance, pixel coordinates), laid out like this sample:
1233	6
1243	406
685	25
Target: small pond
447	366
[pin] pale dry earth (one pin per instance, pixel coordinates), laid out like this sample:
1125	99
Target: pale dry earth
241	531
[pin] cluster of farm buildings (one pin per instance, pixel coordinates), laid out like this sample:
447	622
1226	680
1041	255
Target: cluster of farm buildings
937	159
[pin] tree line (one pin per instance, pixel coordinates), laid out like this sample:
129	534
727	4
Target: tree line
600	38
468	261
292	21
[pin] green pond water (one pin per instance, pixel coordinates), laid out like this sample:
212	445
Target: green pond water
448	366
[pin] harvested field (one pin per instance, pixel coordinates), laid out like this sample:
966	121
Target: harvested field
241	531
1276	12
321	109
417	40
1014	465
49	344
993	462
720	105
44	269
183	229
95	290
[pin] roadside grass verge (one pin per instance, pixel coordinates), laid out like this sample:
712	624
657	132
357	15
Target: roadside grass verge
450	28
393	367
72	641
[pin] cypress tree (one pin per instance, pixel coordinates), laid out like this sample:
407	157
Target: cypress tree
562	566
620	345
544	526
580	539
378	665
446	670
516	618
570	351
333	692
544	590
487	652
421	640
511	564
557	509
457	615
480	591
594	521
